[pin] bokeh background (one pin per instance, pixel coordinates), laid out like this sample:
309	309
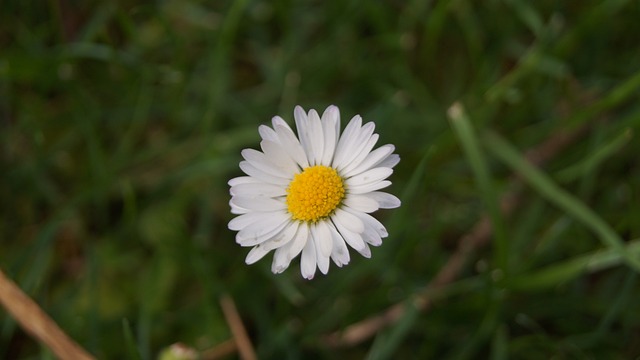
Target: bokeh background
121	123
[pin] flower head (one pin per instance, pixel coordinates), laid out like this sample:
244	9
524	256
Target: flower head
312	193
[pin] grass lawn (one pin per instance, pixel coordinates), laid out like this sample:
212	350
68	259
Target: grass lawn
516	123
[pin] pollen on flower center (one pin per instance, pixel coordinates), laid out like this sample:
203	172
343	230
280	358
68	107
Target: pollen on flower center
314	193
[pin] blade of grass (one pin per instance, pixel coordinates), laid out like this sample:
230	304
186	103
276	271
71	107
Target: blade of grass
559	197
143	333
386	344
619	94
408	196
139	118
97	23
557	273
220	60
622	300
470	24
130	341
530	219
469	141
488	326
591	161
529	62
526	12
499	346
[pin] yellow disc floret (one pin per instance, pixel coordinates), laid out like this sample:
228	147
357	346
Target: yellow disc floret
315	193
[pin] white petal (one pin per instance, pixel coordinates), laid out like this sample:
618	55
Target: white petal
385	200
316	135
262	230
280	158
362	203
369	177
259	203
293	146
243	180
256	253
348	220
267	133
390	161
249	239
360	137
235	209
308	261
371	160
360	154
340	252
322	261
282	257
258	189
331	129
365	251
347	140
372	223
304	127
367	188
261	175
360	140
245	238
261	162
374	231
244	220
353	239
278	121
371	236
322	237
299	240
281	260
283	237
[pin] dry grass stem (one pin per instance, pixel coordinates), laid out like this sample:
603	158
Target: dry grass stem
242	341
37	323
220	351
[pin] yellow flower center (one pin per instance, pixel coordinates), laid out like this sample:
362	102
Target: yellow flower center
314	193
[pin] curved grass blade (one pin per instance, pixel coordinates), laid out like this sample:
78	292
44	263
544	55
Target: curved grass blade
560	197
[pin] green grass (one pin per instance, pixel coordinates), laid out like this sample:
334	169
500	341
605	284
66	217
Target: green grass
120	124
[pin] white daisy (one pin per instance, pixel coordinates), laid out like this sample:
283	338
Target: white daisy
312	194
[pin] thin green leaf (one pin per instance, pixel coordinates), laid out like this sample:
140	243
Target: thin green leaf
591	161
130	341
559	273
469	141
559	197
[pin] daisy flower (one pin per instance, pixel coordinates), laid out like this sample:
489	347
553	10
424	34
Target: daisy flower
312	193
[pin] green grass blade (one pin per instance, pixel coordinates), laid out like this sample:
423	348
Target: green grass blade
616	96
469	141
387	343
623	299
220	60
559	197
130	341
555	274
591	161
470	348
500	344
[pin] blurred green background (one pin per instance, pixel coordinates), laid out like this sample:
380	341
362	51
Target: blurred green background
121	122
